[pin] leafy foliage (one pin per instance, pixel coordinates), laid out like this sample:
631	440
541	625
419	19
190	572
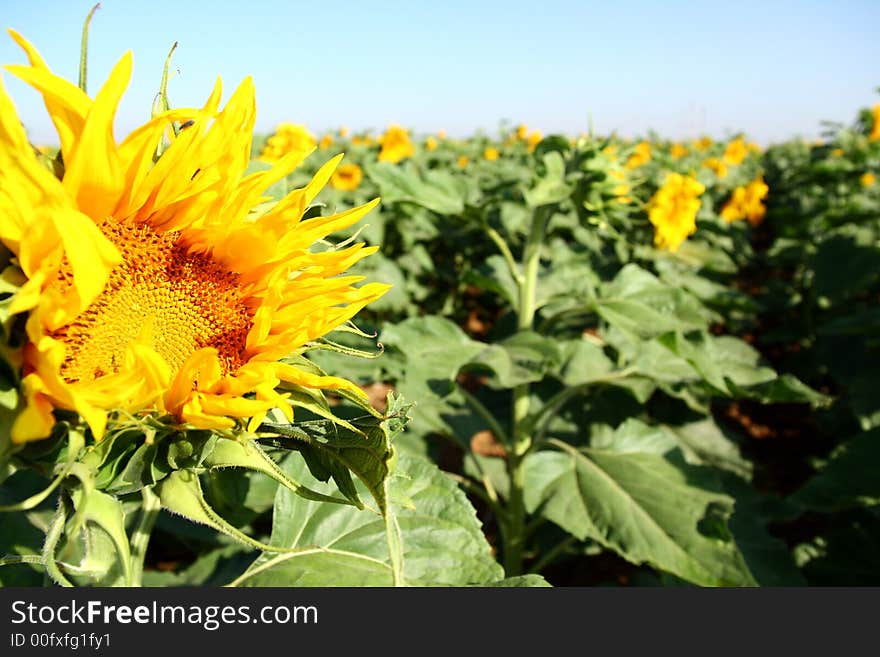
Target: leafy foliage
574	395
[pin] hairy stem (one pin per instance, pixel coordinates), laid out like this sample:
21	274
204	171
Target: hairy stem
84	48
141	537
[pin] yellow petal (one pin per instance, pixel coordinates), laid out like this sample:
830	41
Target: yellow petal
35	421
93	172
66	103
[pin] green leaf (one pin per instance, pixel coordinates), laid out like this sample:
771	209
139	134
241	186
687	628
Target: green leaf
768	558
75	444
585	362
441	539
846	263
720	359
569	281
552	187
521	581
97	538
247	454
437	346
493	275
240	496
332	450
733	368
643	506
703	442
642	306
181	493
22	535
125	461
524	357
439	192
379	268
433	349
850	478
635	436
783	389
9	402
652	359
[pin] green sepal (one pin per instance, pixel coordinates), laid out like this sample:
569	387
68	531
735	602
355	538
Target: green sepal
303	363
181	493
248	454
329	345
351	327
331	450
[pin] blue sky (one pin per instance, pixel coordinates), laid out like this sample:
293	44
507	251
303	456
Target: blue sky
771	69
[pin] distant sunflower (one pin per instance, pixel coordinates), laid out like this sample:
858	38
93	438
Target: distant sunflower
396	145
347	178
156	284
672	210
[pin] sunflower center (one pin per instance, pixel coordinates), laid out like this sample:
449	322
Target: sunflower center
178	301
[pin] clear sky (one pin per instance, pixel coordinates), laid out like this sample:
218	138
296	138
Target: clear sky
772	69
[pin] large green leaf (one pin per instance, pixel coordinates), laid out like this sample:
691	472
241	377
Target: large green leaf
440	536
438	191
719	359
433	349
769	559
645	506
524	357
435	345
643	306
734	369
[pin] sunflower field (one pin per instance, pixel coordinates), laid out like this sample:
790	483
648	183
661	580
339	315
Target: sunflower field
385	358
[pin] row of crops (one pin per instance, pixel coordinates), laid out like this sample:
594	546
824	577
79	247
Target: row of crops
601	361
644	361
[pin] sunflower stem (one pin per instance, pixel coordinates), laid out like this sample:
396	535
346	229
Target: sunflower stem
521	437
84	48
495	236
141	537
53	535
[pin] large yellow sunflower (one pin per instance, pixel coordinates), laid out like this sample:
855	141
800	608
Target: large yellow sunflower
161	284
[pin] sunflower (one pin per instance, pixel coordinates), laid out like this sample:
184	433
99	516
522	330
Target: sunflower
347	177
290	138
164	285
396	145
672	210
640	156
747	202
736	151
